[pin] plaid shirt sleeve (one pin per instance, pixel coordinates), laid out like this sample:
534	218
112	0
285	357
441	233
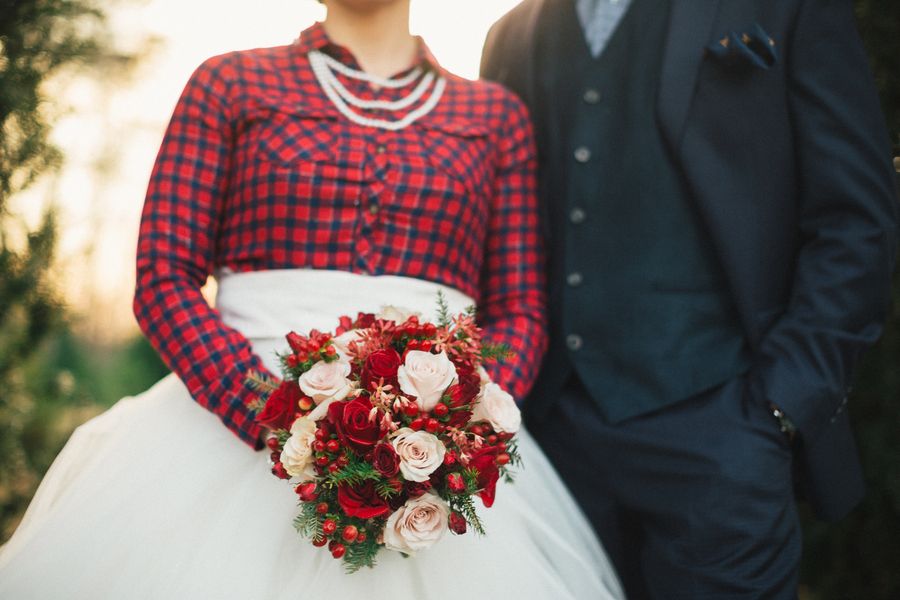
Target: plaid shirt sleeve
176	246
513	306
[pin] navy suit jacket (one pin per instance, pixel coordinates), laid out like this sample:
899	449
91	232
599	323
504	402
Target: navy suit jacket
787	157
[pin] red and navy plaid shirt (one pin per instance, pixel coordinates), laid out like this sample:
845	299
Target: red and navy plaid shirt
258	170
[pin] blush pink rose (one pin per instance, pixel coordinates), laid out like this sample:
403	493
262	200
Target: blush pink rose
420	452
498	408
417	525
426	376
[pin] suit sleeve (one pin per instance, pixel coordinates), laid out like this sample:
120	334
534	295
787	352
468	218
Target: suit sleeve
848	225
490	55
513	303
176	249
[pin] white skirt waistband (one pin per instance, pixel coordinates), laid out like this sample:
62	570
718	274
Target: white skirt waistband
268	304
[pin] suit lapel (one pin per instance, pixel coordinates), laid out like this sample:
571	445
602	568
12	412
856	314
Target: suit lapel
690	26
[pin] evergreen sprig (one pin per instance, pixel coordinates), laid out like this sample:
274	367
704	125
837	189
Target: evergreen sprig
465	505
355	472
361	554
385	490
512	448
259	382
515	460
263	385
470	477
257	405
443	311
495	352
307	523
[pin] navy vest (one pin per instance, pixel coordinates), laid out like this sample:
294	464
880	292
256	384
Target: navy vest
640	309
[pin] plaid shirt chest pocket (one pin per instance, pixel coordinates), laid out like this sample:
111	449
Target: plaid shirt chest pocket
309	142
460	155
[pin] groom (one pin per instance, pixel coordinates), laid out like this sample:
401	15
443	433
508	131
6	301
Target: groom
721	216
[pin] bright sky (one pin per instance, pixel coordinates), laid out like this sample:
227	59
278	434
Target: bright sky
114	129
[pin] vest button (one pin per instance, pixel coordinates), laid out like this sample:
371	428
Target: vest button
577	216
574	341
582	154
591	96
373	209
574	279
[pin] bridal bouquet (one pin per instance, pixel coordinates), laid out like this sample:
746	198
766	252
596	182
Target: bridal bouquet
387	429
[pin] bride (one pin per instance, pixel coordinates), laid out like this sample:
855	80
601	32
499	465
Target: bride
341	173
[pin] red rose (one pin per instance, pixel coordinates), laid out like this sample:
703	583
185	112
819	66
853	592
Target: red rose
468	387
381	364
364	320
385	460
361	500
297	342
463	394
457	523
351	421
345	325
417	488
467	375
460	418
281	407
485	462
456	483
307	491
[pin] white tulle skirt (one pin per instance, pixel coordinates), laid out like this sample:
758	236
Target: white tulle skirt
155	498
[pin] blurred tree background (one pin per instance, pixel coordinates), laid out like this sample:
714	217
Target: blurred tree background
52	378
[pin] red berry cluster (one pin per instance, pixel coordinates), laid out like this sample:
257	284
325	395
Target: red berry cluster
308	350
493	440
418	336
274	444
329	455
335	536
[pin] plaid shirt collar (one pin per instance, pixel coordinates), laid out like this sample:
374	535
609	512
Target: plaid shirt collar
316	38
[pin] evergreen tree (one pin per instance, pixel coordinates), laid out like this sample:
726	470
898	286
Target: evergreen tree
879	25
38	38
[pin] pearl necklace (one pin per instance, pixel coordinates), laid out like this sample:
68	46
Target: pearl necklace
323	67
343	69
